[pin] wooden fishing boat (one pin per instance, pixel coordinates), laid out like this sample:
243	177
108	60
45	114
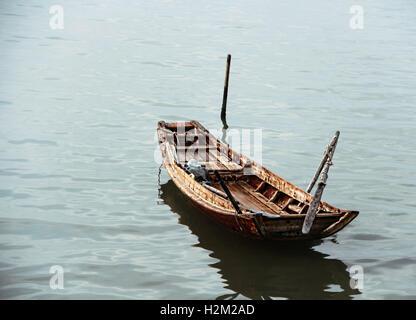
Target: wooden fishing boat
241	194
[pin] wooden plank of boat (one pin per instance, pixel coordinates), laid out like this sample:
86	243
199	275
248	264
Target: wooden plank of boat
271	207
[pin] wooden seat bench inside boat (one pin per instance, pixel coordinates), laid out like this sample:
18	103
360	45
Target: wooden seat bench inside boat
192	143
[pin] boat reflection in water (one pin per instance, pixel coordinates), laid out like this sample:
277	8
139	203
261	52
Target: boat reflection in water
262	269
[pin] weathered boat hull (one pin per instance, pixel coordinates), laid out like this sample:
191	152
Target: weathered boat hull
288	228
261	189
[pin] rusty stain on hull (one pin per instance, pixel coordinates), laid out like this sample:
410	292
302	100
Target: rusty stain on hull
253	186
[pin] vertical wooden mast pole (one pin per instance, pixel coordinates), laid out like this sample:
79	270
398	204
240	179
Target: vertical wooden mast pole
225	95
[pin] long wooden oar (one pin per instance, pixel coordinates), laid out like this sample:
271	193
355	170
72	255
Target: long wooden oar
323	171
235	205
227	191
329	148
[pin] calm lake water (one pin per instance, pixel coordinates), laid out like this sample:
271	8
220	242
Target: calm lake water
79	186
